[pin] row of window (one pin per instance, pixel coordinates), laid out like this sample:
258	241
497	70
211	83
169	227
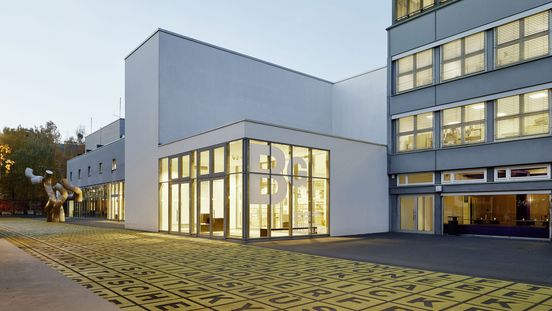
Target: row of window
100	170
407	8
515	42
514	117
515	173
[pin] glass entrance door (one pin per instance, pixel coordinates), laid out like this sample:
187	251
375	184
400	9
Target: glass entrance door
211	208
416	213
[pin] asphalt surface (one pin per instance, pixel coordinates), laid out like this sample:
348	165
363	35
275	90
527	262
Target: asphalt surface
507	259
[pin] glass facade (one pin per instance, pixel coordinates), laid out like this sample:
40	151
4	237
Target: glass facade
287	191
523	215
102	201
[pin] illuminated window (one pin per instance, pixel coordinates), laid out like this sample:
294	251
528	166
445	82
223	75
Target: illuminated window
463	56
415	132
520	173
407	8
416	179
113	165
463	125
174	168
461	177
522	40
522	115
414	71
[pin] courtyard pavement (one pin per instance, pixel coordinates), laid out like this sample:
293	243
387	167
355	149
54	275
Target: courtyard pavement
137	271
508	259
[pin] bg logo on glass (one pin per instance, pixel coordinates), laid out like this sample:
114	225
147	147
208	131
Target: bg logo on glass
279	166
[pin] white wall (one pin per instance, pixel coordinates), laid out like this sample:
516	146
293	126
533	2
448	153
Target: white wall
141	111
359	107
204	87
358	178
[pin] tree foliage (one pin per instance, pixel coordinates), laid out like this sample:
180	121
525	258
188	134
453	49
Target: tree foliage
40	149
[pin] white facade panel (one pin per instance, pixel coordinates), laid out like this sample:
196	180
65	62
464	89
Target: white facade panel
141	111
203	87
359	107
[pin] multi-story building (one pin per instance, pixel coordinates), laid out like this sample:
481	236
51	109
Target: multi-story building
100	172
470	143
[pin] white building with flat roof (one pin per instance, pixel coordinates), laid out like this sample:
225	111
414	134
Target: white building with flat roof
220	144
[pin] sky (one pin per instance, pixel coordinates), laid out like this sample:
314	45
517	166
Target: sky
63	60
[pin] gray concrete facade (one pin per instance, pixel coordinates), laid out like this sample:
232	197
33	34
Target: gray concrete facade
430	29
100	163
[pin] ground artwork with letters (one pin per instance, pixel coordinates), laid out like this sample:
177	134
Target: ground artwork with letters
150	271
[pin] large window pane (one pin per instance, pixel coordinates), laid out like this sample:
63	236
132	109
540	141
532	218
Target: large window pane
235	210
164	170
204	207
407	210
280	206
424	140
185	166
301	161
218	160
406	142
258	207
204	162
259	154
536	124
175	207
217	207
236	158
463	125
281	159
320	163
174	168
406	124
507	128
425	213
320	206
164	206
301	214
185	208
402	9
508	32
536	101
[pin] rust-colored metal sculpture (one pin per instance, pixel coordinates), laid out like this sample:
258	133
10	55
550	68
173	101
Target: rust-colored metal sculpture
57	194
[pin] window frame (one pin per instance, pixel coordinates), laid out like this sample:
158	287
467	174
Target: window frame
463	123
453	181
407	184
521	115
520	41
463	57
414	133
509	169
414	72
